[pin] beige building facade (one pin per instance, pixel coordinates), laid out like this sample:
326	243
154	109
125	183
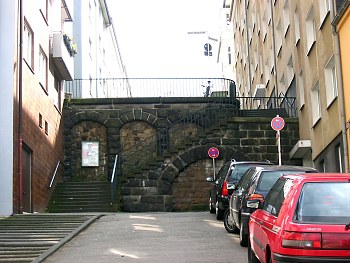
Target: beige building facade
287	49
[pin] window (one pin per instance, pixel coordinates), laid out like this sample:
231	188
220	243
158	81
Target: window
290	71
42	69
229	55
296	26
338	159
264	26
286	18
58	93
276	196
46	127
325	7
28	43
310	30
301	91
316	103
331	81
40	120
43	9
279	37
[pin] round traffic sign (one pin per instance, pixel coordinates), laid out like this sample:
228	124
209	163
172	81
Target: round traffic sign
213	152
277	123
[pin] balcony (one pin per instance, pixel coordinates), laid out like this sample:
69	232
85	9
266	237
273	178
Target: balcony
62	57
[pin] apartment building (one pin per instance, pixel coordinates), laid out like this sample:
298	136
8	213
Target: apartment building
37	58
98	60
342	23
287	48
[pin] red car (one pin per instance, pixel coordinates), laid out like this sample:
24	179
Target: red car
304	218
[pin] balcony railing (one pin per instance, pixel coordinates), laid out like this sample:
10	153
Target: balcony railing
210	89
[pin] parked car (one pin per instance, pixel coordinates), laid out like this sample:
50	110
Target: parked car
304	218
230	173
254	185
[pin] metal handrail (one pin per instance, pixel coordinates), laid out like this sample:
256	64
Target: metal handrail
113	181
114	166
54	174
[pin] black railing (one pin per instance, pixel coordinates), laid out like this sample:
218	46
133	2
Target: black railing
150	87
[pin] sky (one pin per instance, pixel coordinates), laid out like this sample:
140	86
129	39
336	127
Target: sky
154	37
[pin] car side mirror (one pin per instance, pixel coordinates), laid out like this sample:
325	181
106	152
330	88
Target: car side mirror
256	203
231	186
210	179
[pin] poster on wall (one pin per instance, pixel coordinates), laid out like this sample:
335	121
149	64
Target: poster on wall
89	154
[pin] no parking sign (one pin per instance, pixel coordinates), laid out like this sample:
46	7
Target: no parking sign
213	152
277	124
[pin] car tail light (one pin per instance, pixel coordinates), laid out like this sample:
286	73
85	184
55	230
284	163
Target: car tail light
335	241
224	191
301	240
256	197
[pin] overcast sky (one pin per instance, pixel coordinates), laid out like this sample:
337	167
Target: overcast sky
154	40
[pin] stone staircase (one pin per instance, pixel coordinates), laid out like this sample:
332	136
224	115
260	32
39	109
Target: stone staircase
33	237
72	197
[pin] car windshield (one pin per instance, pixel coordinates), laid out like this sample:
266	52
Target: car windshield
324	203
268	178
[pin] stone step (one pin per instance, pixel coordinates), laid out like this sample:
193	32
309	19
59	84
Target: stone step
25	237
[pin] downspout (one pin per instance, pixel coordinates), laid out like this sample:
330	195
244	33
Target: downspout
274	51
337	57
248	53
20	129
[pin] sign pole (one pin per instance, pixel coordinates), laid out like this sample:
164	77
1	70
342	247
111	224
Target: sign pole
214	168
279	147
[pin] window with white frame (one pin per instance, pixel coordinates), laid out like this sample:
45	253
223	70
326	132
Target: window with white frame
266	69
28	43
57	98
310	30
261	65
42	65
286	17
331	81
290	71
296	26
324	7
279	37
315	103
301	91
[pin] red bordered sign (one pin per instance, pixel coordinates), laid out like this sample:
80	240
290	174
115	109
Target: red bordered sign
277	123
213	152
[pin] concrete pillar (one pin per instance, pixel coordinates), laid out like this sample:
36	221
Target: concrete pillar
7	49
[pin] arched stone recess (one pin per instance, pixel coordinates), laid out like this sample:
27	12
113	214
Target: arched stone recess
185	177
138	145
88	131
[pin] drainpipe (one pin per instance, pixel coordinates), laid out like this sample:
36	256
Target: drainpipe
20	129
248	53
274	50
337	57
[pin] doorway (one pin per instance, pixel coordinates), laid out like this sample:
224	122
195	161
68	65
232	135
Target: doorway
27	179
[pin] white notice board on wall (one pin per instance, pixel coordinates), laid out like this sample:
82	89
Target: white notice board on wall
89	153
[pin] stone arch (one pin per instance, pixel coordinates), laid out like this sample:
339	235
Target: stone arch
138	143
186	176
88	131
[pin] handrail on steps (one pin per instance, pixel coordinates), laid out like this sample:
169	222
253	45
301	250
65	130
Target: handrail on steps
113	184
54	173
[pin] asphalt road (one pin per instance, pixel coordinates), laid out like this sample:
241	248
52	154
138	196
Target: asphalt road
153	237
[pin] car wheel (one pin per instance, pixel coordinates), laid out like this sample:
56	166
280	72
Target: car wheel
251	256
211	208
229	224
219	212
243	237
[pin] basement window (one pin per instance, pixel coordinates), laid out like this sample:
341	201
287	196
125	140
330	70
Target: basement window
40	120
